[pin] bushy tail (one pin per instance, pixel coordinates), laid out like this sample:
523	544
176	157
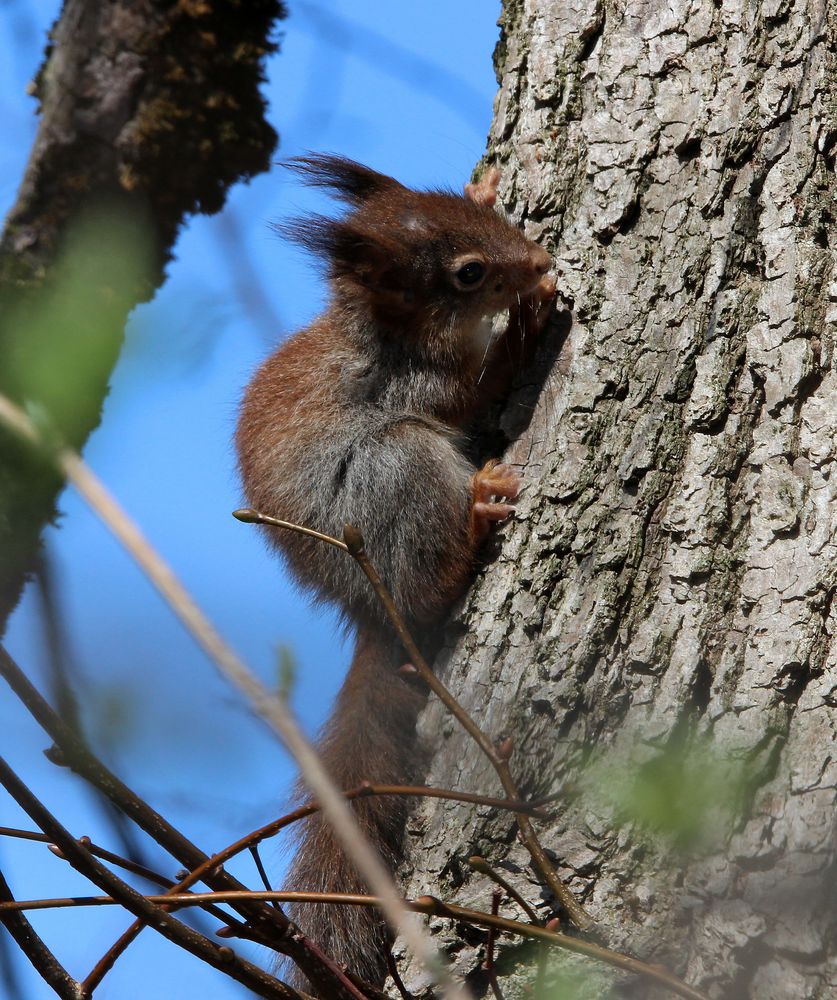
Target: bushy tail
370	737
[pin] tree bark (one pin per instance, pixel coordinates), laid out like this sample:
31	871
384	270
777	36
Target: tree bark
668	582
150	110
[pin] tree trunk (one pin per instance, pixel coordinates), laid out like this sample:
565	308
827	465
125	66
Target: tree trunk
658	620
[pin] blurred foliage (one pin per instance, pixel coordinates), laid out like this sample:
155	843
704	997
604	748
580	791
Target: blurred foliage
537	972
570	983
62	344
59	340
689	791
286	672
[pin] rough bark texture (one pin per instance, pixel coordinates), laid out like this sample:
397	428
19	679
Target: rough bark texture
671	574
152	109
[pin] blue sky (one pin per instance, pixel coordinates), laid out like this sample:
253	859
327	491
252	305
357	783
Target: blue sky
406	88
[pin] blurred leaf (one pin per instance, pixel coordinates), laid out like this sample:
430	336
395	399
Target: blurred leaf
286	671
64	344
688	791
551	973
568	977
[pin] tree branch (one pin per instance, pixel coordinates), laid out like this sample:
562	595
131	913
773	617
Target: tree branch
272	923
43	961
128	93
429	905
151	913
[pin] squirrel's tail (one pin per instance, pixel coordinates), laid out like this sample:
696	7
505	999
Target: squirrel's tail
370	737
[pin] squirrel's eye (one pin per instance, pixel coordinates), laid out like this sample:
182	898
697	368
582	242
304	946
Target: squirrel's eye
470	274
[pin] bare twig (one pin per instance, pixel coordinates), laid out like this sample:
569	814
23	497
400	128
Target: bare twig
244	275
269	707
497	756
339	973
392	968
542	960
116	859
488	964
428	905
44	962
361	792
59	685
108	959
271	923
82	860
95	850
257	861
104	855
252	839
250	516
484	868
435	907
351	983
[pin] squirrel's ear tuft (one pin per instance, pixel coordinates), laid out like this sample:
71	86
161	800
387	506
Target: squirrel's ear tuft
350	250
318	234
349	180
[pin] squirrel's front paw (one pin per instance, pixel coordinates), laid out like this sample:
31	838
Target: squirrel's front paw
493	481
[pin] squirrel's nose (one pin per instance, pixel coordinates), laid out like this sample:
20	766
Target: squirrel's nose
539	260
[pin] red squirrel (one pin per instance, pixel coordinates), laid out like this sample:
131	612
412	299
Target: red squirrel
360	418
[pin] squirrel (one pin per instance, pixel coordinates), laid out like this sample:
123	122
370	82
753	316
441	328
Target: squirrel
361	418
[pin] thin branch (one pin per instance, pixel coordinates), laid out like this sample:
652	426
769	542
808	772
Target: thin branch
249	841
354	545
362	791
250	516
61	671
480	865
351	983
43	961
257	861
275	826
427	905
435	907
107	960
143	871
225	960
339	973
83	762
498	756
115	859
488	964
271	708
396	978
244	275
272	923
58	660
542	960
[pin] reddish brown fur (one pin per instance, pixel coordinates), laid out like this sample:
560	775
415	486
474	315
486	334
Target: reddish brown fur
359	418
